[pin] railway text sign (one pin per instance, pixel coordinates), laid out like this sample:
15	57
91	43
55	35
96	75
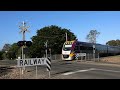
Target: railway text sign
80	54
31	62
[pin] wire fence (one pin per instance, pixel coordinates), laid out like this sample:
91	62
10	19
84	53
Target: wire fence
88	57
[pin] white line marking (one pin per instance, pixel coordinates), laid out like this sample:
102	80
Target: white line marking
68	73
107	70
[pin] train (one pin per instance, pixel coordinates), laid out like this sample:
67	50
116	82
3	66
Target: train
70	48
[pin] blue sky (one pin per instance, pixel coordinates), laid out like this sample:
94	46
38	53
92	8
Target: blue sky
79	22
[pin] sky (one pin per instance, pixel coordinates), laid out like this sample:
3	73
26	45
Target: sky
79	22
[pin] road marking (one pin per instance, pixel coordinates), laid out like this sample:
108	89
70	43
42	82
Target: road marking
107	70
68	73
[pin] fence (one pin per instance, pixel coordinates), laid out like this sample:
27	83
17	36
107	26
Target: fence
89	57
55	56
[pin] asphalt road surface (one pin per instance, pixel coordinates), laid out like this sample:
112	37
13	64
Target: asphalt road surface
85	70
75	70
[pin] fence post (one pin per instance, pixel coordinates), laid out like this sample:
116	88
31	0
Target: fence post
85	57
98	57
36	71
88	56
55	56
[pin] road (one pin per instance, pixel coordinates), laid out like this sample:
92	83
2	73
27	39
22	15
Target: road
76	70
85	70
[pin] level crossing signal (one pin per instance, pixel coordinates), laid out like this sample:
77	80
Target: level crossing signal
24	43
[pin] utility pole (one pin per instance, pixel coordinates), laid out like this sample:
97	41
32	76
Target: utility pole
50	52
46	48
66	36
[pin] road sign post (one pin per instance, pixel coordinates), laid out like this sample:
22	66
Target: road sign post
76	57
94	52
23	28
85	57
98	57
36	72
22	58
81	58
20	73
46	47
50	52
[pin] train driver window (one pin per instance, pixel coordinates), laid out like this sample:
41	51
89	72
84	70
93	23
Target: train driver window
82	48
77	49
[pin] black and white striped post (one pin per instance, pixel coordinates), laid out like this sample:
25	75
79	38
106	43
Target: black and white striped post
94	52
48	63
76	57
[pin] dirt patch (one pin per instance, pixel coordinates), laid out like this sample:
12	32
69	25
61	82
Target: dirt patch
4	70
111	59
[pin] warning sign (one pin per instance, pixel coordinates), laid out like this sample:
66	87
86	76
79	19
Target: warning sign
31	62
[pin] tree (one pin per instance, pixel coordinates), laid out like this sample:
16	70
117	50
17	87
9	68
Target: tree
54	35
1	55
118	42
91	37
14	51
113	42
6	47
5	50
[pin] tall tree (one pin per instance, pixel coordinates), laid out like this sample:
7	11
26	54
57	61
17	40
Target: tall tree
91	37
54	35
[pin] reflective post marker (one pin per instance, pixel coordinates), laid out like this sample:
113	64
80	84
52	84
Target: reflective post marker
48	63
94	52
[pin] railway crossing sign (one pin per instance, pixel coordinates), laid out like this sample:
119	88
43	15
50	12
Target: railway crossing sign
80	55
76	57
31	62
34	62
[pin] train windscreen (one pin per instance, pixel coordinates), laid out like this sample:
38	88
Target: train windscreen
67	47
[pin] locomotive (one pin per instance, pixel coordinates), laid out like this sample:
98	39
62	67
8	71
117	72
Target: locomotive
70	48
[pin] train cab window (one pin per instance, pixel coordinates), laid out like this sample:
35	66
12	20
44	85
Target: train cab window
90	48
82	48
77	49
77	43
